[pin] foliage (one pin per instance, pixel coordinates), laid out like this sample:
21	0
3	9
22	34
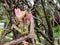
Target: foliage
46	13
3	16
57	31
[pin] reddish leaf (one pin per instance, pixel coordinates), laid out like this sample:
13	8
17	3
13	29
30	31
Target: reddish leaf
28	15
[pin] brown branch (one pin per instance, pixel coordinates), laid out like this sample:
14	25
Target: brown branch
32	30
41	21
5	32
44	35
17	41
51	2
50	30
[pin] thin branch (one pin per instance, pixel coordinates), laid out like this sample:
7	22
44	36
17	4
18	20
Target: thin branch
17	41
44	35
